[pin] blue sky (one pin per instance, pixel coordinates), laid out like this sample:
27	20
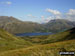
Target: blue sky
37	10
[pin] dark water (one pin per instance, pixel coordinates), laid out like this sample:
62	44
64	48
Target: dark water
33	34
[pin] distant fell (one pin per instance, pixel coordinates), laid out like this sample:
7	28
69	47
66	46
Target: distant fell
14	25
58	25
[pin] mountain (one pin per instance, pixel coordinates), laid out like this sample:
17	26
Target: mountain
58	25
49	45
13	25
6	19
62	36
64	41
10	42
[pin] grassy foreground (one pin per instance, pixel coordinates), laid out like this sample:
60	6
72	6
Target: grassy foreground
48	45
10	42
43	50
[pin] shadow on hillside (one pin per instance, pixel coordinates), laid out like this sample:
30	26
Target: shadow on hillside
72	34
72	31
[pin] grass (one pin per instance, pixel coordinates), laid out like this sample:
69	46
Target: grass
43	50
49	45
10	42
62	36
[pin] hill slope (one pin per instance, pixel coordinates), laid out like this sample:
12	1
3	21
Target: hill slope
13	25
10	42
58	25
52	49
67	35
62	36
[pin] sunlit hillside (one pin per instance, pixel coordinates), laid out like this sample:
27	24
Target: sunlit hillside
62	36
10	42
51	47
37	27
43	50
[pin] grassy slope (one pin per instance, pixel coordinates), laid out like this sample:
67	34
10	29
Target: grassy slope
43	50
48	49
10	42
36	39
62	36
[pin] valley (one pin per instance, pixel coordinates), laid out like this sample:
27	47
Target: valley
38	45
37	27
35	44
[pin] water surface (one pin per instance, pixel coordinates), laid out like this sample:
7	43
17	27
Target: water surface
33	34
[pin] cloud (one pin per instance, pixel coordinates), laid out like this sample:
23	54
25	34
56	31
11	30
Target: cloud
31	16
55	12
70	15
6	3
49	18
42	17
71	12
46	19
58	17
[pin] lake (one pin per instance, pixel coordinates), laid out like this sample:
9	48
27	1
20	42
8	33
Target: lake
33	34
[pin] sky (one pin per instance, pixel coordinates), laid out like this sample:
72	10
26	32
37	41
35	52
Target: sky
38	10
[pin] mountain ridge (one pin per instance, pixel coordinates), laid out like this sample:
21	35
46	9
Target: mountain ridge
13	25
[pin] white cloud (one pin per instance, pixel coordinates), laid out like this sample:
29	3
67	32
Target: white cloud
58	17
42	17
71	12
46	19
6	3
70	15
55	12
31	16
49	18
